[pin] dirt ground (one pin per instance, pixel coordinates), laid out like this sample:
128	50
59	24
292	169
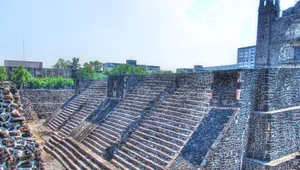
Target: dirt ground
42	134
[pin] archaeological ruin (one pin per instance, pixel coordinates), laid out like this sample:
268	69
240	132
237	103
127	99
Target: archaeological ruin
236	119
18	150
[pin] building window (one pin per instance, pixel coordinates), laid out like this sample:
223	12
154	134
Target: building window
297	53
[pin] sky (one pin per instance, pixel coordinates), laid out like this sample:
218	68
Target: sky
169	33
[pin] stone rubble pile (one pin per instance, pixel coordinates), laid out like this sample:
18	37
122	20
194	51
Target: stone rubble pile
18	149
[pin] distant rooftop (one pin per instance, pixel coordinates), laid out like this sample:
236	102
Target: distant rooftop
26	64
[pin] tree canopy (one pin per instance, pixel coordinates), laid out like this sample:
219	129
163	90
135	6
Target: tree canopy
50	83
3	74
20	76
125	69
75	64
93	65
62	64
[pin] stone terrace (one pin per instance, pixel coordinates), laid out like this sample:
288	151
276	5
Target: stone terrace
79	108
110	132
160	137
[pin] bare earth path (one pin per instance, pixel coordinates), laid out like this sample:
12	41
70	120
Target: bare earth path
42	134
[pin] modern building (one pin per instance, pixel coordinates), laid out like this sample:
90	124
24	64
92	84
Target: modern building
200	68
110	66
246	57
129	62
222	67
34	67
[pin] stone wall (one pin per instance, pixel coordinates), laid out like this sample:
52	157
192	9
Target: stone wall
194	80
202	139
228	153
249	164
40	104
18	148
118	86
278	88
224	88
277	37
274	135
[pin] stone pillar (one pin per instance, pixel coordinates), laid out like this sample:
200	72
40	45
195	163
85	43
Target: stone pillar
277	3
270	2
262	3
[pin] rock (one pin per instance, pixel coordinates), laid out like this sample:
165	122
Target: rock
15	113
4	134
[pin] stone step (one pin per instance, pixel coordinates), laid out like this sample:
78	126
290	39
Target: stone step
81	164
185	104
131	112
130	116
118	164
161	136
115	122
117	130
150	147
167	126
107	132
100	141
51	126
118	160
133	160
58	157
146	154
104	138
178	110
142	160
130	108
176	118
67	159
155	118
155	139
93	146
190	116
172	133
134	105
133	99
140	103
154	144
121	118
135	96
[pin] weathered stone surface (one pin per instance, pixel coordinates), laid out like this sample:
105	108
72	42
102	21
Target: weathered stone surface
39	104
17	149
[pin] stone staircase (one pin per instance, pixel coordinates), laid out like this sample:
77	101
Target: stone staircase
161	136
79	108
73	156
110	132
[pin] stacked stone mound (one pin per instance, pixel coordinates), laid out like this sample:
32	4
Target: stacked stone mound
18	150
80	108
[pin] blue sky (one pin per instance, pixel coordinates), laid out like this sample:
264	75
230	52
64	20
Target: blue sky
169	33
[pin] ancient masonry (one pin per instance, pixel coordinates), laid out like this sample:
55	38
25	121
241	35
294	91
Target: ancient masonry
18	149
238	119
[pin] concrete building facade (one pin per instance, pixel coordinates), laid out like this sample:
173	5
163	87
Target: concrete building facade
246	57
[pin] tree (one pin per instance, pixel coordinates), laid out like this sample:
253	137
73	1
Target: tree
125	69
20	76
94	65
75	64
90	71
181	71
62	64
3	74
